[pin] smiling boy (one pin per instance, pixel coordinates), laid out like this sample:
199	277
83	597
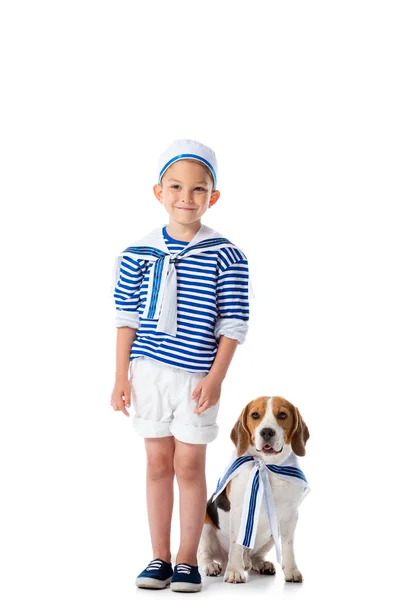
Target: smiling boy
181	296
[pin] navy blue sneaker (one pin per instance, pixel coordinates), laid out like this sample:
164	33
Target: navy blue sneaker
156	575
186	578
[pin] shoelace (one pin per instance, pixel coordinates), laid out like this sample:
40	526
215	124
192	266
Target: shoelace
154	565
183	569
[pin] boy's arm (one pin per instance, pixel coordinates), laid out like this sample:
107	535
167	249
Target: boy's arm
121	394
231	328
129	277
233	301
223	358
125	338
209	388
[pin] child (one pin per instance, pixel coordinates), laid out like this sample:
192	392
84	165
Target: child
181	296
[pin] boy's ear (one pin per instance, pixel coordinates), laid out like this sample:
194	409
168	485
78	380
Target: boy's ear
157	189
213	198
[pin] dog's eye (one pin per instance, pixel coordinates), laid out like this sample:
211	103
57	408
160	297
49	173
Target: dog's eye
255	415
282	415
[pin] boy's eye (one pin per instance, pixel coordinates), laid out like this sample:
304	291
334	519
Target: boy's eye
200	189
175	186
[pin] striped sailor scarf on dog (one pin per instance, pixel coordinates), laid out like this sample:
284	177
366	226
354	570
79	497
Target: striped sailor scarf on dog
259	489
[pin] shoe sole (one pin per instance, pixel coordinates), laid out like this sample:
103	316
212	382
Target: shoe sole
185	586
152	584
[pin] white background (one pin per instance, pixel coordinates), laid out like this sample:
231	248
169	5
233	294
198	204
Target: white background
300	101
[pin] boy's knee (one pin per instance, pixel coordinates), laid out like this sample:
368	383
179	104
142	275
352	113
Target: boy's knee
188	470
160	466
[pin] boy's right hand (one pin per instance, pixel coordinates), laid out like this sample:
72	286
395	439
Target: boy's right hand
121	395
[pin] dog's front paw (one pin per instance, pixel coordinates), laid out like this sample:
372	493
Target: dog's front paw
235	576
293	575
213	569
263	566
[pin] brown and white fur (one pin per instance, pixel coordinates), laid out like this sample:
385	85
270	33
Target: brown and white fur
270	428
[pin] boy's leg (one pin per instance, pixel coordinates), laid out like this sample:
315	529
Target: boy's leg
189	466
160	493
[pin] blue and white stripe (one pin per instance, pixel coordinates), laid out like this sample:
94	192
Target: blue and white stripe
252	499
211	293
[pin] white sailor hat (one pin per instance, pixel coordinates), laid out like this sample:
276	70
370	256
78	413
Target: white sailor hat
188	150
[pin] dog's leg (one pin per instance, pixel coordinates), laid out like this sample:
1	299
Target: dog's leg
257	560
210	553
246	559
235	570
289	565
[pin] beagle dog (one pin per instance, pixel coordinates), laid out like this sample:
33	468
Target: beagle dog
270	429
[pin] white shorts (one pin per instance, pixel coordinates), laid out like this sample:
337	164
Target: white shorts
162	403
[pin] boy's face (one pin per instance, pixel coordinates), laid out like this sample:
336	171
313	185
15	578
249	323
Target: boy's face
186	191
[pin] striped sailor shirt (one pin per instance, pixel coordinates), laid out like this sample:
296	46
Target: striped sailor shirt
212	299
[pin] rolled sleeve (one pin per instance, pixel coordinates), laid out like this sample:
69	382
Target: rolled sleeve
128	280
233	301
232	328
124	318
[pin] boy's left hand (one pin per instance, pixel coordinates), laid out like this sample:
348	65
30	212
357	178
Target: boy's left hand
209	389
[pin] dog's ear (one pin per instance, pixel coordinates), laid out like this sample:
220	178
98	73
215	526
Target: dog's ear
300	434
240	434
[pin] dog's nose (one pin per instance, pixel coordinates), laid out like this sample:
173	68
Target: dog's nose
267	433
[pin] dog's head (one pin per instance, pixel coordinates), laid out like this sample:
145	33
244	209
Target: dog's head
271	427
